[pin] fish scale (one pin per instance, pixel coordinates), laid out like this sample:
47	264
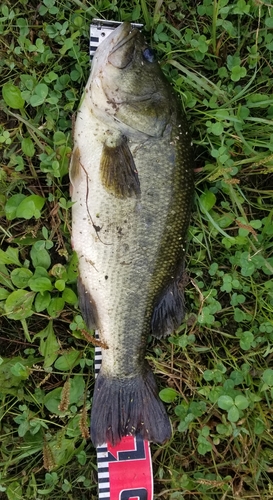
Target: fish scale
132	184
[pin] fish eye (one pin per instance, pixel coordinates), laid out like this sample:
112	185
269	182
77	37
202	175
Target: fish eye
149	55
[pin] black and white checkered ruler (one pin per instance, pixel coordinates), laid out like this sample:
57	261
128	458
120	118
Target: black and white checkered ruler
124	471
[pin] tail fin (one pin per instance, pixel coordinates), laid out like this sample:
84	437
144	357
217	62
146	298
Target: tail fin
128	406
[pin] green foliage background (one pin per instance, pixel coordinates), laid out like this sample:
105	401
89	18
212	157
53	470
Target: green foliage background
216	371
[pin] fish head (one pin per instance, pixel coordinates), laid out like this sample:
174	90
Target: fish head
127	87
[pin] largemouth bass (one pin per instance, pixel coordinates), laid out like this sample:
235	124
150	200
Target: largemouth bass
132	184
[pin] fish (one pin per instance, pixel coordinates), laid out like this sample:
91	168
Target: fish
131	176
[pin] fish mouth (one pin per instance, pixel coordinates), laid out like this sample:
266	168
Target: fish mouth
122	52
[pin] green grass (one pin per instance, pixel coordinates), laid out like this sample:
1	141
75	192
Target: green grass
216	371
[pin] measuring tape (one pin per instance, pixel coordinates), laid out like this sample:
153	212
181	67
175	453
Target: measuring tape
124	471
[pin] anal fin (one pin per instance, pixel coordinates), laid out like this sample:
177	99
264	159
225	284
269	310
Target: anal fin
169	311
74	168
118	172
87	306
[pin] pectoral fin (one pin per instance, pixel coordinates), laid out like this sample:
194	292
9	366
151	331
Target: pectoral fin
118	172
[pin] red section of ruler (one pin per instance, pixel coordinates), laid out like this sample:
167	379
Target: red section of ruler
125	471
130	470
